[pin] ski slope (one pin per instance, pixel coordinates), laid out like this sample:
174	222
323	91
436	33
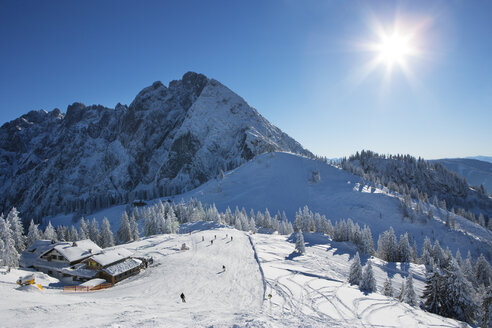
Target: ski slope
307	291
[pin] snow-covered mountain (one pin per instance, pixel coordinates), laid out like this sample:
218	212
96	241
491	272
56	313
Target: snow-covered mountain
476	172
170	139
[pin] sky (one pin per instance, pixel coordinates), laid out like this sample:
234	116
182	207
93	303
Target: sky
310	67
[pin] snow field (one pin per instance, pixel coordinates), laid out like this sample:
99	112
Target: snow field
312	290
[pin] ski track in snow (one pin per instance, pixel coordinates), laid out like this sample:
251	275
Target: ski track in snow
308	290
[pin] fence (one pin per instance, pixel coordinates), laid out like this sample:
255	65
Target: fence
87	288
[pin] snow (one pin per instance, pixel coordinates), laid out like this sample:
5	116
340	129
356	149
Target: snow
307	291
111	256
121	267
82	249
93	282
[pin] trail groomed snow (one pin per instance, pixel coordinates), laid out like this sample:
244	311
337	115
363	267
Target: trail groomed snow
307	291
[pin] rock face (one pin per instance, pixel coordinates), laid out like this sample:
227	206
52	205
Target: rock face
170	139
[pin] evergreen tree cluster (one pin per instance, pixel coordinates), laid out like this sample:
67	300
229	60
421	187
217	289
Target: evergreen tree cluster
422	180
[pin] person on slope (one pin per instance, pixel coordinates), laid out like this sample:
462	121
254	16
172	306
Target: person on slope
223	268
183	298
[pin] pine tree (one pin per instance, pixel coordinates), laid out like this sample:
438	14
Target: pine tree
124	232
483	273
404	250
409	296
74	235
83	230
33	234
107	239
432	290
388	288
368	282
401	294
17	230
486	317
50	233
457	291
300	247
355	274
94	233
10	256
134	228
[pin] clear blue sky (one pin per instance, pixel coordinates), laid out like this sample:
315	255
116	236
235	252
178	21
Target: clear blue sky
298	62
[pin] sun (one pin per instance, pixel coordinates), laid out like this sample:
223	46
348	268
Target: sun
394	49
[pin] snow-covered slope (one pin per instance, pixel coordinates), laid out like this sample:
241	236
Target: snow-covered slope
283	182
168	140
476	172
307	291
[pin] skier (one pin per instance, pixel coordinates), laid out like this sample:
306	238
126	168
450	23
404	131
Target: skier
215	236
223	268
203	238
231	238
212	242
183	297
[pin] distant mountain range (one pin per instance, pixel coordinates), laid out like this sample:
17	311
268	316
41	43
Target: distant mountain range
169	140
481	158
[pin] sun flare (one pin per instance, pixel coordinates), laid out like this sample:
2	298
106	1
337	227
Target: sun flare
394	49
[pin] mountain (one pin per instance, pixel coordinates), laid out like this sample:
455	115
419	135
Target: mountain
170	139
481	158
476	172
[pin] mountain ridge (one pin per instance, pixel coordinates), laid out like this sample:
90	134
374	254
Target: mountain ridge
168	140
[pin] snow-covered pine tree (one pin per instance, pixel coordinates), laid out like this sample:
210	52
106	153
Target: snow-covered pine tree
60	233
404	249
486	317
457	291
410	297
134	228
438	254
94	233
74	235
33	234
368	282
467	268
355	274
10	256
401	294
388	288
300	247
83	229
426	252
432	294
107	239
50	233
124	232
17	230
483	274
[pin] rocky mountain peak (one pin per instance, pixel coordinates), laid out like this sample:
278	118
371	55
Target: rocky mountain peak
170	139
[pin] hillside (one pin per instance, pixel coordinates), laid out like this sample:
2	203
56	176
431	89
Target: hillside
284	182
170	139
307	290
476	172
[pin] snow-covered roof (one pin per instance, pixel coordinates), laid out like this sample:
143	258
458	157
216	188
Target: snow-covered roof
77	250
121	267
109	257
33	252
